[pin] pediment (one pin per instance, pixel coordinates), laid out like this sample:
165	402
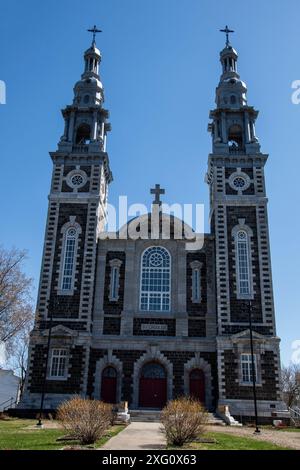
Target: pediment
61	330
245	334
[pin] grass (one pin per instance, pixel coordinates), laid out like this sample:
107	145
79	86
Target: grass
229	442
282	429
15	435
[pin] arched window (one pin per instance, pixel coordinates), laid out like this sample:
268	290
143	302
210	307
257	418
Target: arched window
69	259
155	280
243	268
83	134
235	137
153	370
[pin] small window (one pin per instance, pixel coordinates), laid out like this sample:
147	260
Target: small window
246	365
58	363
115	266
233	99
114	283
196	285
196	281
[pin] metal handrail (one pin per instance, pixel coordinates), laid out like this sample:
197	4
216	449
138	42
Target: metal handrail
6	401
11	405
10	401
295	411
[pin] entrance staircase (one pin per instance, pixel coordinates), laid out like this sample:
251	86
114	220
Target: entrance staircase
154	417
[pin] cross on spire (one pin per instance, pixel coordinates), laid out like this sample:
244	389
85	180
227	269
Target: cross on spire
227	31
157	191
94	30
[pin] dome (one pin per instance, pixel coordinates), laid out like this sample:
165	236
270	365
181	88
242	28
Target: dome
235	81
228	50
140	226
93	50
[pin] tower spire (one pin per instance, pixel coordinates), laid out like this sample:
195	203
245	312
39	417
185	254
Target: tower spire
94	30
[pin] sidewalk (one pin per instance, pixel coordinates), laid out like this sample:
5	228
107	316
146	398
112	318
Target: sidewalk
138	436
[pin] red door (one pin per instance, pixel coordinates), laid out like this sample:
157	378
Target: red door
153	386
197	385
109	385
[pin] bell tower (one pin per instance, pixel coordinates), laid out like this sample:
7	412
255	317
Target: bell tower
77	203
239	222
76	216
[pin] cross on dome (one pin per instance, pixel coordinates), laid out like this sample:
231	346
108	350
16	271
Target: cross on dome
94	30
158	191
227	31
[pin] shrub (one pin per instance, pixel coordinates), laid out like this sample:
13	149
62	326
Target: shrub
85	420
184	419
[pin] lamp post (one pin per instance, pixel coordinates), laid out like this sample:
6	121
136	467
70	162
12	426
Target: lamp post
40	422
253	369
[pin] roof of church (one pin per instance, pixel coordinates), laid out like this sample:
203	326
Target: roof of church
162	224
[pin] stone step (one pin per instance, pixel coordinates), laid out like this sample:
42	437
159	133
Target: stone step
154	416
144	415
214	420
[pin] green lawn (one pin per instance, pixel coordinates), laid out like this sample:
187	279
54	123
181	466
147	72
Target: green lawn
283	429
15	436
230	442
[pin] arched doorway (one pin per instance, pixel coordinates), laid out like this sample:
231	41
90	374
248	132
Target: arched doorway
197	385
109	385
153	386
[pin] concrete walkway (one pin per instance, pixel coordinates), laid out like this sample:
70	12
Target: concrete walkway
138	436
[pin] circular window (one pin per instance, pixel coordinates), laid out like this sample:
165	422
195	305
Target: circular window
71	232
242	235
156	260
239	182
77	180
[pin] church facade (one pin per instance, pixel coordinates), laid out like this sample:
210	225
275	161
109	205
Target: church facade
146	319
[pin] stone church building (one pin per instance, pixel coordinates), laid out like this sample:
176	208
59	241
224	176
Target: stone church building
146	319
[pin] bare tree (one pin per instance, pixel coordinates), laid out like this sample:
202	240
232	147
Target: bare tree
290	384
19	353
15	300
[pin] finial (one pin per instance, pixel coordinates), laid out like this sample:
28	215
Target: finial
157	191
227	31
94	30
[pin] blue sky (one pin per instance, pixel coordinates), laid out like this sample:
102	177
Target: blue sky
160	69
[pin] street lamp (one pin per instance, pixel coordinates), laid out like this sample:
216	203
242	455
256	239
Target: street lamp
253	369
40	423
